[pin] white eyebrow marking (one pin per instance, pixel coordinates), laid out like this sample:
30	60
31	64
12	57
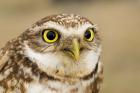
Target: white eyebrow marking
78	30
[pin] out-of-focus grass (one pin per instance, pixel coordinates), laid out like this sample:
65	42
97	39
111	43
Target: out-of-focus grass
118	21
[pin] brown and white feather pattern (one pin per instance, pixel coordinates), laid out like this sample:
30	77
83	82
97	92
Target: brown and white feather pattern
20	74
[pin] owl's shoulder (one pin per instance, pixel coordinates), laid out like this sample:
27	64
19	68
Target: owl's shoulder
4	54
9	55
12	48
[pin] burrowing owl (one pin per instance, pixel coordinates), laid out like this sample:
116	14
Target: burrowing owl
58	54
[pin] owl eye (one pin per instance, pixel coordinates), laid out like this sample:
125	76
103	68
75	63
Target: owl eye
50	36
89	35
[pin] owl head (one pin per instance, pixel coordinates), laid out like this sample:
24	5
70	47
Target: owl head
64	45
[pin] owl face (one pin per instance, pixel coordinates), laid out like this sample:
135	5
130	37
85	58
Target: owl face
63	45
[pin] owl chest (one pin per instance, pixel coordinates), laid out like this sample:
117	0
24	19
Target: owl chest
55	87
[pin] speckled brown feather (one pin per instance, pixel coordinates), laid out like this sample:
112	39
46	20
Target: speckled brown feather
13	63
16	76
67	20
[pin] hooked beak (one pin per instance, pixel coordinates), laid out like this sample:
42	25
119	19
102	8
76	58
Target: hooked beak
74	51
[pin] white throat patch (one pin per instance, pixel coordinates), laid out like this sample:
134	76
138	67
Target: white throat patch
41	59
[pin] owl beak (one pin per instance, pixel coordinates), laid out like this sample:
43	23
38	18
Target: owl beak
76	49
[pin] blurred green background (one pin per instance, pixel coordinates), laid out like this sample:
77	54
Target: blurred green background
118	22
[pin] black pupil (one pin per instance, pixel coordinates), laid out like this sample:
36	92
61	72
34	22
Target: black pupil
51	35
87	34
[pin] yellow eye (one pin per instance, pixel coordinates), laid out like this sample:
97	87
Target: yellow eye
89	35
50	36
